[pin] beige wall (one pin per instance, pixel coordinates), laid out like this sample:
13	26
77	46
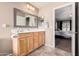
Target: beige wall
47	12
6	17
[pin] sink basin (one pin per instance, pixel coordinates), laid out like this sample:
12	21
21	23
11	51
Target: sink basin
13	36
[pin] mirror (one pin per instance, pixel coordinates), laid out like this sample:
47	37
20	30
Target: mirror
31	20
23	19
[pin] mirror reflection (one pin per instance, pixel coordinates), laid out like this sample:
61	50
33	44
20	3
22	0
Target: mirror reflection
22	19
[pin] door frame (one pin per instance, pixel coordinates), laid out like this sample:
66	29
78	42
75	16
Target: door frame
73	25
76	29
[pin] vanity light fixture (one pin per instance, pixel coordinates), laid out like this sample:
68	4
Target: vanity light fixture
30	7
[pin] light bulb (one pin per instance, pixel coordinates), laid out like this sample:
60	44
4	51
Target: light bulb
33	9
28	6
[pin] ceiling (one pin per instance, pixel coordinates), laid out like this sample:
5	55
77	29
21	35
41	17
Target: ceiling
42	4
64	13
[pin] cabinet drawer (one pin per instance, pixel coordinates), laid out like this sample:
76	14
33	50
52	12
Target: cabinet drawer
35	34
25	34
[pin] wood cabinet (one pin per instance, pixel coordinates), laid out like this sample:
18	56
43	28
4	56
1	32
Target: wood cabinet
27	42
36	40
23	46
41	38
30	44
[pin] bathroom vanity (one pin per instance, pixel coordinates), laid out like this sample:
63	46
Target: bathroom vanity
26	42
26	36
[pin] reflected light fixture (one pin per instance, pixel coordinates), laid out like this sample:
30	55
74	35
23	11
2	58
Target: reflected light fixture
42	17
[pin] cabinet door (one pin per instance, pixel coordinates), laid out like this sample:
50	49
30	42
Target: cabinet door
41	38
35	40
23	46
30	44
26	46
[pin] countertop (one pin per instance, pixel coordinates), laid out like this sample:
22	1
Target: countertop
15	32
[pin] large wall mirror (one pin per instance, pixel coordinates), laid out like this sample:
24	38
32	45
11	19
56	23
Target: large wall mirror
23	19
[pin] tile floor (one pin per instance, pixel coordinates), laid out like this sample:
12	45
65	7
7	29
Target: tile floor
48	51
45	51
64	44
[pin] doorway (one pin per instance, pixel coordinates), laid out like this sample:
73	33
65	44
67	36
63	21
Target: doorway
64	22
